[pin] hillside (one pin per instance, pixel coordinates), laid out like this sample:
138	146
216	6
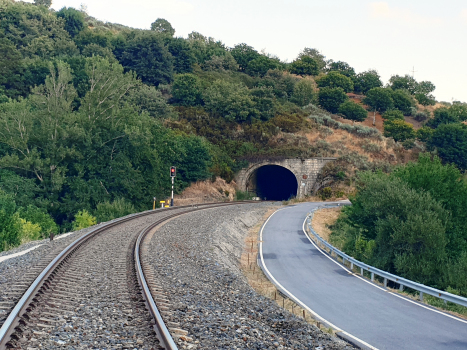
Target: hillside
93	114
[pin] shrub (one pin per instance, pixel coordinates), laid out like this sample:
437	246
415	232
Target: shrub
243	196
29	231
83	219
371	147
40	218
421	116
111	210
325	193
399	130
393	114
424	134
353	111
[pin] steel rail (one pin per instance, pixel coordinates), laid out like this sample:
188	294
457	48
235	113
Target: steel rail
14	318
161	329
403	282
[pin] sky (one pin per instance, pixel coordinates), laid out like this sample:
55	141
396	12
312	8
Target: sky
426	38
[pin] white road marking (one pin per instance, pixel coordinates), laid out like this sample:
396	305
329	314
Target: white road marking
298	301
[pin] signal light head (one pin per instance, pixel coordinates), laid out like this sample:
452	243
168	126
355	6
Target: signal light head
172	171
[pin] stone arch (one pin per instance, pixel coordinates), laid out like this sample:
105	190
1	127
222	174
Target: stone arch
272	180
305	171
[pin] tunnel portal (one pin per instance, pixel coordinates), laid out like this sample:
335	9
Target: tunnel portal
274	182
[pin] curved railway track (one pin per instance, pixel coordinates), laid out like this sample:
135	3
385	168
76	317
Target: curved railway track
96	292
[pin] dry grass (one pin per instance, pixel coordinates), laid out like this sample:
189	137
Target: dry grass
260	283
205	192
348	142
324	218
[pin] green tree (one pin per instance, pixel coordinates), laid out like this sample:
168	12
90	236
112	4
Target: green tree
10	61
331	98
229	100
304	65
149	58
260	65
408	228
243	54
336	80
425	87
379	99
444	183
74	20
353	111
451	142
221	63
149	100
397	82
365	81
342	68
304	92
315	55
403	101
46	3
182	54
282	83
163	26
265	101
94	36
442	116
39	139
425	100
10	225
399	130
23	190
458	110
186	90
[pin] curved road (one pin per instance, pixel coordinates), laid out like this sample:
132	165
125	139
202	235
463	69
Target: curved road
366	311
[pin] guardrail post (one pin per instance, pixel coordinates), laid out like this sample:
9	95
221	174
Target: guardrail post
351	266
361	271
385	283
372	277
401	287
421	296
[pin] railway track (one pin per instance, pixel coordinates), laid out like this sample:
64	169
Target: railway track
95	293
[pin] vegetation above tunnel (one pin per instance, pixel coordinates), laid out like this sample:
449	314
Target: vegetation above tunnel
93	114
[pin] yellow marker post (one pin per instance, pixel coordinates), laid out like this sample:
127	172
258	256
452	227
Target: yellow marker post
162	204
154	204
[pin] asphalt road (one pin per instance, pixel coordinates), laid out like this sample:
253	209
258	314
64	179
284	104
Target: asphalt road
381	319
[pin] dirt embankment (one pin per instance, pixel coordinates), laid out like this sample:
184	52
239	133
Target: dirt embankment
324	218
206	192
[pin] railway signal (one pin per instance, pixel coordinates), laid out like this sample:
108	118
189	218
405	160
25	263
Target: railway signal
173	173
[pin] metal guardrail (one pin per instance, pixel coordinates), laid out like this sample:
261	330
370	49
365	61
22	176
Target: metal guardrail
422	289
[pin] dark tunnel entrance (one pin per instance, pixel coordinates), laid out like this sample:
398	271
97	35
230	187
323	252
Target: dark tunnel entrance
273	182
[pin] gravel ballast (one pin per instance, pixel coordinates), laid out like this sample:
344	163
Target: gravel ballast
195	259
